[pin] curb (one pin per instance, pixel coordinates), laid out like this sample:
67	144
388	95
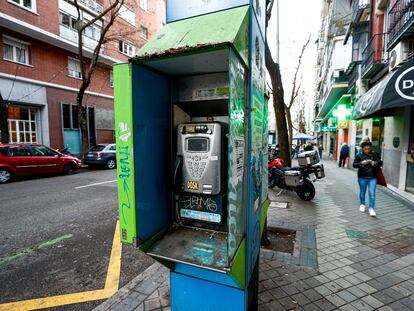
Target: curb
133	294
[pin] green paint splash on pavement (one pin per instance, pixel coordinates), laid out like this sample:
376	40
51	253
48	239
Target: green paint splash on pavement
29	250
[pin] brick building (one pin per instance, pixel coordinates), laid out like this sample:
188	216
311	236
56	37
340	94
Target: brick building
40	73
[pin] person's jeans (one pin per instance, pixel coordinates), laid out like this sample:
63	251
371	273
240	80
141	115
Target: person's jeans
371	183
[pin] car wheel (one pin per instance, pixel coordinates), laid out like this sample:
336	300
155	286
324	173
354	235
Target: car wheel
69	168
110	164
5	176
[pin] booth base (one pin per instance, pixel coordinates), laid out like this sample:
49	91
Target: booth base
197	247
193	294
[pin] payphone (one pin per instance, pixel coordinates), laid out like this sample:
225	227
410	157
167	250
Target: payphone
201	173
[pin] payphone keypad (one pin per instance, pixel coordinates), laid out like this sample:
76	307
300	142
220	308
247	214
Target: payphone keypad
196	165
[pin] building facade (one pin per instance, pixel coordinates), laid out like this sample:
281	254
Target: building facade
380	35
40	72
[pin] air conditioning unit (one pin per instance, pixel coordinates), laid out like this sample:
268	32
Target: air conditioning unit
361	87
399	54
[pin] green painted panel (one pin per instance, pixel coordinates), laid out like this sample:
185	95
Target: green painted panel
236	219
124	152
241	42
194	33
263	216
238	269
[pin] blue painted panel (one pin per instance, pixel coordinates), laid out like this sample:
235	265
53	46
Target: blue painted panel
181	9
192	294
204	274
71	138
256	171
152	150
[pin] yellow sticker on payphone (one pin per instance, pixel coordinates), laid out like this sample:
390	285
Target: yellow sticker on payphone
192	185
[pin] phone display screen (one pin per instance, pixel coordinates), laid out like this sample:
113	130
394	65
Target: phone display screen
197	144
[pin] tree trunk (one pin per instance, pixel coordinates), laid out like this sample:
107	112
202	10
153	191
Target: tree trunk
4	127
279	106
290	125
82	116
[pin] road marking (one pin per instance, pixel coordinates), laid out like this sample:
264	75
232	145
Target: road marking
111	286
97	184
33	248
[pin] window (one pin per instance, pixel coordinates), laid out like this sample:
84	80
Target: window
28	4
74	68
42	151
143	4
143	32
4	150
93	31
127	14
19	152
113	148
22	125
111	78
15	50
70	116
68	20
126	47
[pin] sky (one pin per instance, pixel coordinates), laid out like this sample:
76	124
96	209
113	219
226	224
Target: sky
298	20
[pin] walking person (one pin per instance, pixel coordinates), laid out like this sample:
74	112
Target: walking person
320	149
344	155
367	162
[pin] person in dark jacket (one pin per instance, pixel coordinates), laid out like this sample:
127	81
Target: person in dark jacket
367	162
343	155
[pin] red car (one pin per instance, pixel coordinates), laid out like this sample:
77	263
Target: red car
33	159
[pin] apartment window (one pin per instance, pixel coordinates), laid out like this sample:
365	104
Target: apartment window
93	32
22	125
111	78
126	47
127	14
143	4
28	4
15	50
68	20
74	68
70	116
143	32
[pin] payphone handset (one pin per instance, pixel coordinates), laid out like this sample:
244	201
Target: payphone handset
201	147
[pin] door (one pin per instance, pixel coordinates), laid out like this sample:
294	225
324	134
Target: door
22	159
48	161
410	157
71	139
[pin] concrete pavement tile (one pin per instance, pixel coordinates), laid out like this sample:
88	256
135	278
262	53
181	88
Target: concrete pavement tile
312	295
300	299
346	296
383	297
361	305
278	293
311	307
272	306
348	307
323	290
335	300
397	306
325	305
288	303
372	301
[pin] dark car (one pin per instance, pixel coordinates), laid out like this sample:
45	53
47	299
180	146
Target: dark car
103	155
33	159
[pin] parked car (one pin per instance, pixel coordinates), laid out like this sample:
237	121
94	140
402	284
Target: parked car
33	159
103	155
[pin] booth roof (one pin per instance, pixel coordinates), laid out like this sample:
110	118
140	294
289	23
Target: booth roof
210	30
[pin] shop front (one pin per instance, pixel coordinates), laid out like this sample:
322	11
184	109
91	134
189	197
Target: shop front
386	116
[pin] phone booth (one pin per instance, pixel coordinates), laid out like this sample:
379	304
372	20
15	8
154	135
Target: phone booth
192	134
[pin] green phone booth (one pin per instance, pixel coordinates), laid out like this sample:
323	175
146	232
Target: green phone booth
191	134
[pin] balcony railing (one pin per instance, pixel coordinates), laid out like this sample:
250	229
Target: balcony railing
352	73
401	21
374	55
93	5
358	7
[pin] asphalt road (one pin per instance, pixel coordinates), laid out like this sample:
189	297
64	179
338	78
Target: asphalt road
75	228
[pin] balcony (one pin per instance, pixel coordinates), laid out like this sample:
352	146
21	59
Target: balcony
92	5
360	10
401	22
352	74
374	57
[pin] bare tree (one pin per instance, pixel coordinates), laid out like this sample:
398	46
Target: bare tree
278	94
108	15
300	121
5	137
296	86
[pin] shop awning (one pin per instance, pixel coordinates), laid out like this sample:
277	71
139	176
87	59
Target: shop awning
395	91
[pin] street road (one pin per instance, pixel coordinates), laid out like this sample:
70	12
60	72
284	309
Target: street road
56	235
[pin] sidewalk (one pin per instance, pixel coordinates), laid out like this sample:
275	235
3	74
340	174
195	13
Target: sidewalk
357	263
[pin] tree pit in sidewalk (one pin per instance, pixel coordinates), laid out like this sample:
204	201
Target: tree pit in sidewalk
281	240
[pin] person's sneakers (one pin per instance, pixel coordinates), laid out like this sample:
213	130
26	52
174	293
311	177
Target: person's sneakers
372	212
362	208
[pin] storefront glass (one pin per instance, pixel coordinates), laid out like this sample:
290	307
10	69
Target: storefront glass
410	156
22	125
378	135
